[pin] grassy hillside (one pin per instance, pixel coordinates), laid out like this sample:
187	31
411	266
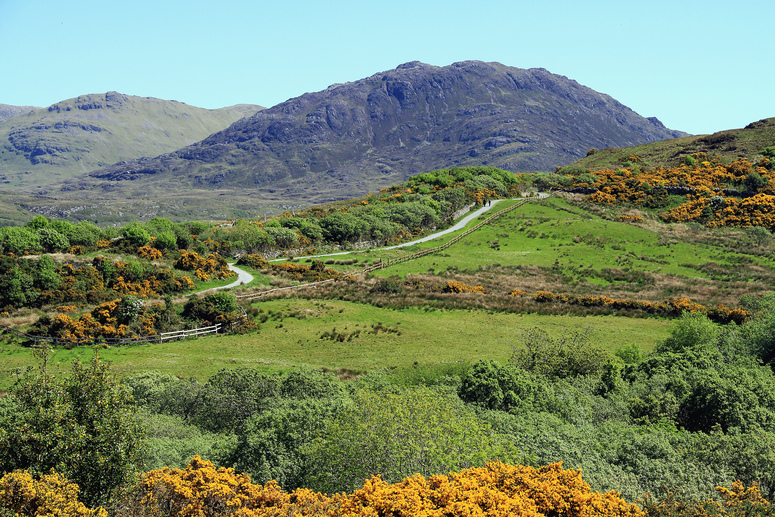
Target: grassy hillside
729	145
75	136
571	246
415	342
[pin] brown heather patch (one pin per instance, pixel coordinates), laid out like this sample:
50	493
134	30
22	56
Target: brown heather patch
344	374
20	319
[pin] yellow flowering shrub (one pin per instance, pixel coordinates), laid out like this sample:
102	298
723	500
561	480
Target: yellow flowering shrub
201	490
204	268
699	179
50	496
668	307
737	501
453	286
149	253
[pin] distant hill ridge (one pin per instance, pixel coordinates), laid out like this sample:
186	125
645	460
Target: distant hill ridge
39	146
356	137
8	111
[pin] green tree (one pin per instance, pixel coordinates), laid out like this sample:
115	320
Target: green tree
341	227
693	329
232	396
82	426
51	240
166	240
396	435
412	215
84	234
19	240
504	388
568	356
272	443
450	199
135	235
45	275
37	222
283	237
248	238
17	288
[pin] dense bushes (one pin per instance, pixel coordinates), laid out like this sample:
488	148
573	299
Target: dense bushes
378	433
217	308
714	191
669	307
35	283
697	413
82	426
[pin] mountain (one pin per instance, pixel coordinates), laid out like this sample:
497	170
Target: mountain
356	137
40	146
7	111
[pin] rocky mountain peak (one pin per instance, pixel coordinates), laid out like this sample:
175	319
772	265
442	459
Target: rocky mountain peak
354	137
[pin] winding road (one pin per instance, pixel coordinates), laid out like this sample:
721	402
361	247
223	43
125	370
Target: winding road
243	277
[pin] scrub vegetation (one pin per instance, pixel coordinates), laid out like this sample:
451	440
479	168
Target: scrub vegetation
478	380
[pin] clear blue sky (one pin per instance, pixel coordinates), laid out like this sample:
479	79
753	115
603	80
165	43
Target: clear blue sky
698	66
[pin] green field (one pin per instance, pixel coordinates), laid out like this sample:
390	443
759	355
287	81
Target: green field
551	245
541	234
291	338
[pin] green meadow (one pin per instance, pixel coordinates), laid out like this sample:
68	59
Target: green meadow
554	232
374	339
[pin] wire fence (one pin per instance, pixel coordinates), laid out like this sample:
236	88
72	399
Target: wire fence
261	294
71	342
382	264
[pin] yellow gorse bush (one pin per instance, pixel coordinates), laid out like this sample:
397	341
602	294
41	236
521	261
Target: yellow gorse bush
704	178
50	496
201	490
454	286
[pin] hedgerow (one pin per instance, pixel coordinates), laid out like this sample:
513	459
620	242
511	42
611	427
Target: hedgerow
670	307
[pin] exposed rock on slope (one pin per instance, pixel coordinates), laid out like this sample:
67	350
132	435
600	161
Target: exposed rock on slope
355	137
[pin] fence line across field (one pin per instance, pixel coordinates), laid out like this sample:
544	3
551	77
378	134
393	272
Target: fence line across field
156	338
260	294
382	264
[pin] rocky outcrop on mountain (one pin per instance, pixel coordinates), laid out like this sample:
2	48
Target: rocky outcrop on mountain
43	145
355	137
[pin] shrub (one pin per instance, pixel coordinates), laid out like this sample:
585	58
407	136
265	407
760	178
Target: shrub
254	261
568	356
388	286
52	494
84	426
